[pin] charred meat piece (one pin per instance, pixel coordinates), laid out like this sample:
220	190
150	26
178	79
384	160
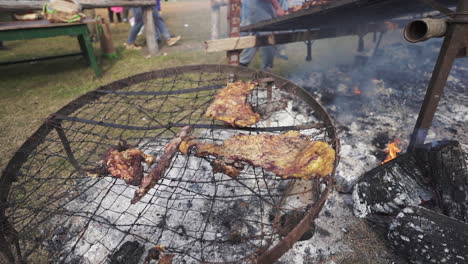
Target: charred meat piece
158	253
150	179
126	165
123	162
230	105
289	155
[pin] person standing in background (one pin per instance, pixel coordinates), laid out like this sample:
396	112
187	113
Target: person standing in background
159	25
117	11
215	17
254	11
125	12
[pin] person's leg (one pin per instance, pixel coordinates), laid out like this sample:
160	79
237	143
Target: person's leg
111	15
119	17
268	55
215	22
125	14
160	24
247	56
138	16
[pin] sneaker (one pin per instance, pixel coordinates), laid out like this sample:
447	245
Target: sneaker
172	41
132	46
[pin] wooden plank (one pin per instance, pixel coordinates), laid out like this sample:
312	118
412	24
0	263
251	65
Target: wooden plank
150	31
10	5
288	37
230	43
12	25
257	41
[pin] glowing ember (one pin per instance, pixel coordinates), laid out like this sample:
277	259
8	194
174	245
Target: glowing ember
356	90
392	150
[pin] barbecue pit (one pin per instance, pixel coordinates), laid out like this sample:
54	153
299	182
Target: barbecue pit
56	212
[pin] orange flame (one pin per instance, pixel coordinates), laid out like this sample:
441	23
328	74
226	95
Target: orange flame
357	91
392	150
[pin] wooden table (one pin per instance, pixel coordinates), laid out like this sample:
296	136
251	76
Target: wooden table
21	30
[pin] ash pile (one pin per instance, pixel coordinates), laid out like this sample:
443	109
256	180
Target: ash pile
418	201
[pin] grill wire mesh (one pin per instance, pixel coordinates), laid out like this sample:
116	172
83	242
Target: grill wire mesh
64	216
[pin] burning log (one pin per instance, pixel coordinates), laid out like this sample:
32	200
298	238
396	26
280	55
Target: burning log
157	172
449	174
391	187
423	236
419	234
414	178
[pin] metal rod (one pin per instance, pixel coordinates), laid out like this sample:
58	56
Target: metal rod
66	146
360	43
309	50
42	58
377	45
453	43
194	90
207	126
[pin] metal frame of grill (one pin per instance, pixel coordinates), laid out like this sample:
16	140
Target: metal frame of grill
73	138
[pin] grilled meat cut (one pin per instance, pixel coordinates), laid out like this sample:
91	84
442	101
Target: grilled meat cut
123	162
152	178
289	155
230	105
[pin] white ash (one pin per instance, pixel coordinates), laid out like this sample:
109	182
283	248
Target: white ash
333	222
393	85
181	205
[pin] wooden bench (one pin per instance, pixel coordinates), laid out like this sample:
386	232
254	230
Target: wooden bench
22	30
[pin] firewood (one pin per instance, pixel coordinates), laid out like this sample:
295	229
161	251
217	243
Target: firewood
446	167
150	180
391	187
424	236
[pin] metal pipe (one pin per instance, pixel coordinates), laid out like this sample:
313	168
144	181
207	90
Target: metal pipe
424	29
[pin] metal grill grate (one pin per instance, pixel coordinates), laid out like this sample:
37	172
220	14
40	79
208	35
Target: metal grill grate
62	215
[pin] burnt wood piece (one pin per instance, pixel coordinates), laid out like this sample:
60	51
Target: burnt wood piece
446	167
391	187
423	236
129	253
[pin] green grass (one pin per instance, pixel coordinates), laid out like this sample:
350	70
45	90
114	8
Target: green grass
30	92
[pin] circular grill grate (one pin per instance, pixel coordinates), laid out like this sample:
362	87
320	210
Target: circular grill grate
58	213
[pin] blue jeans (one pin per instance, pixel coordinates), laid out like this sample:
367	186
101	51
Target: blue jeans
138	16
159	24
268	55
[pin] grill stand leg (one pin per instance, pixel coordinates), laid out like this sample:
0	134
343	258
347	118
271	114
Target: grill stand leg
309	50
454	45
9	243
66	146
234	8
